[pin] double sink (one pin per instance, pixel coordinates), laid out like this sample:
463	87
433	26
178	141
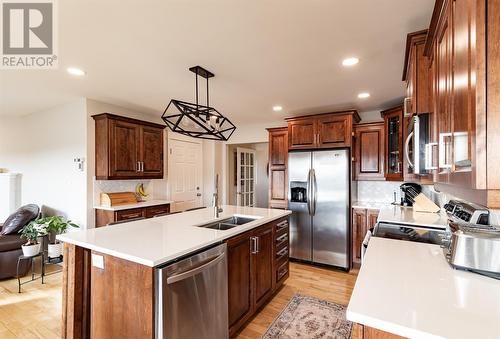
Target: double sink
229	223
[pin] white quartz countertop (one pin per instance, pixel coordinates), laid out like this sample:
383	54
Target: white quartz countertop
406	215
408	289
371	205
155	241
140	204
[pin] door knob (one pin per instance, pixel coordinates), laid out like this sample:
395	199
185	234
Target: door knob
198	195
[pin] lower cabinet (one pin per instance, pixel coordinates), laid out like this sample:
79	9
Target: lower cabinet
362	220
253	271
105	217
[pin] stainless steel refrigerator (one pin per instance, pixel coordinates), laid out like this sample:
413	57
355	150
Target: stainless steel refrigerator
319	193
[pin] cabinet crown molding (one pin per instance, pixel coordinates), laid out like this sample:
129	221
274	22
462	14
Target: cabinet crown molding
126	119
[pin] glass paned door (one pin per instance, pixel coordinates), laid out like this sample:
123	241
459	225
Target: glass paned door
393	142
245	181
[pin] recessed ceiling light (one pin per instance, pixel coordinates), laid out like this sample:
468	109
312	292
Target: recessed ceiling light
350	61
277	108
75	71
363	95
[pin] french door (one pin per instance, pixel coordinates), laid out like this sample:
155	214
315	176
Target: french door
245	177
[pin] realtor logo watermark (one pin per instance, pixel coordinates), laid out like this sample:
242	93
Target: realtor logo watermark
29	35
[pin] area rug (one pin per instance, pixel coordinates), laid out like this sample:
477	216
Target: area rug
308	317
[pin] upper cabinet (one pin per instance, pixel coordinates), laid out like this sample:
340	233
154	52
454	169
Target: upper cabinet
416	75
369	151
278	160
127	148
393	128
464	55
329	130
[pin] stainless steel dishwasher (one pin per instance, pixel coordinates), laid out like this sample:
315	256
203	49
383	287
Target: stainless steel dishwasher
191	297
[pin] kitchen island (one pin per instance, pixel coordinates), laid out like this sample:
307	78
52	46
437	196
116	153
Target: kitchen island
409	290
109	272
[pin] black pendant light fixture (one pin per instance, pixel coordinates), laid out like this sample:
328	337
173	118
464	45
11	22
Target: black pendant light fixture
195	120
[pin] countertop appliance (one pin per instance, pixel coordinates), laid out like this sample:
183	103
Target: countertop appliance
319	191
473	247
468	212
191	297
408	192
417	149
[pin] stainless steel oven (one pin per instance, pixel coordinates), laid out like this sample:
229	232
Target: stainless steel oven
417	148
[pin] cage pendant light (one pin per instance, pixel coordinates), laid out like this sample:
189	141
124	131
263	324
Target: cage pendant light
195	120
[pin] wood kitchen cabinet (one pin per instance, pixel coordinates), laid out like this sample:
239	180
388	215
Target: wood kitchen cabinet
127	148
278	162
393	130
104	217
253	271
328	130
362	220
369	152
463	49
417	76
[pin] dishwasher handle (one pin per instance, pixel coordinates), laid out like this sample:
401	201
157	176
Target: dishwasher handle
175	278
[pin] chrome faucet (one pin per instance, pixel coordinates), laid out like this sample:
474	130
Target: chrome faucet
217	208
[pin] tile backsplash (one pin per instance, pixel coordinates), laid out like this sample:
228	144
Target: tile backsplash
383	191
156	189
377	191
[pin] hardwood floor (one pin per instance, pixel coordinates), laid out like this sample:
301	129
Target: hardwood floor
36	312
322	283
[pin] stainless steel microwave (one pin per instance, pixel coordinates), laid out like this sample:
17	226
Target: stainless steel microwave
417	149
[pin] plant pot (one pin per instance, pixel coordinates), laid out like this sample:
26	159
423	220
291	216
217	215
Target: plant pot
55	250
31	250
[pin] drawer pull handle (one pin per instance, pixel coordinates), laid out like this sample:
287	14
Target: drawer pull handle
283	238
282	224
282	253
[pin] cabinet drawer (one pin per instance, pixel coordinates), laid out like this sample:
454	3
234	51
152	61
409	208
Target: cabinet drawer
282	272
282	253
129	214
157	210
282	227
282	240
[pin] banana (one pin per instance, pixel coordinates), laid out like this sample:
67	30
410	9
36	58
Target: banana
140	190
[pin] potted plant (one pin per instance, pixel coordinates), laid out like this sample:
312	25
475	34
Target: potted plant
55	225
32	232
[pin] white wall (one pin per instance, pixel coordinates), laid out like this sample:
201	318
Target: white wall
157	189
41	146
253	133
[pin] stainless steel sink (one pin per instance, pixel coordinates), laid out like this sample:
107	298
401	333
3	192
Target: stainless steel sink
238	220
227	224
219	226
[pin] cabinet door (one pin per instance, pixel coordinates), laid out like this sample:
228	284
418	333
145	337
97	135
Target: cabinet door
358	233
464	94
302	134
334	131
152	152
278	148
263	264
278	160
393	123
369	152
371	219
239	269
124	149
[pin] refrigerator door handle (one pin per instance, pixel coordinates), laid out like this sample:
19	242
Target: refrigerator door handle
314	192
309	193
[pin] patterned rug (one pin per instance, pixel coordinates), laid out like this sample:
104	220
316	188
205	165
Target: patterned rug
308	317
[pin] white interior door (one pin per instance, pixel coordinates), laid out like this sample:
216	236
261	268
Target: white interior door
185	174
245	177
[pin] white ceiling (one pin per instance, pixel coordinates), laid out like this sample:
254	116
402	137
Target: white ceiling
263	52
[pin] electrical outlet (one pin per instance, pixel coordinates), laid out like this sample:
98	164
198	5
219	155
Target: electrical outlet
98	261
